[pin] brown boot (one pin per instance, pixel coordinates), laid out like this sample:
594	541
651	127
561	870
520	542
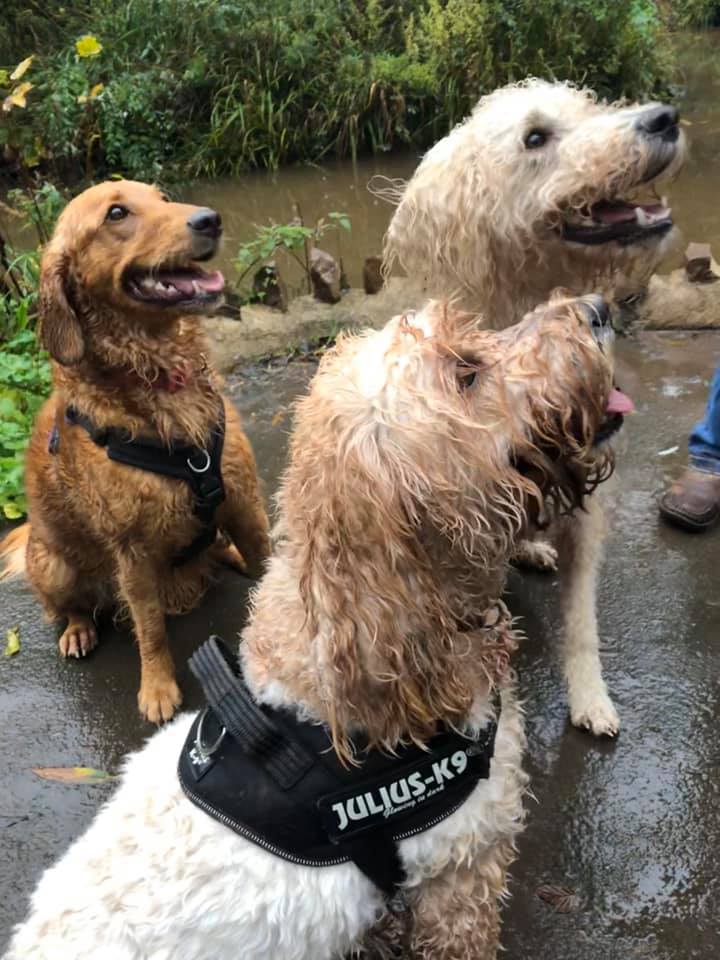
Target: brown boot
693	501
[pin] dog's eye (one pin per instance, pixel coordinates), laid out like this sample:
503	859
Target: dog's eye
466	375
117	212
536	138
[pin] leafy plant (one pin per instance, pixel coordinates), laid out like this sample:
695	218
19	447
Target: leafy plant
293	237
182	88
24	368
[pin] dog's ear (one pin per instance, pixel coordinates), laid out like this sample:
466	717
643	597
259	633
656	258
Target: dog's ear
365	578
61	333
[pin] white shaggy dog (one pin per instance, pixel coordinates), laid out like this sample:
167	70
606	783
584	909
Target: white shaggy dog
544	186
416	461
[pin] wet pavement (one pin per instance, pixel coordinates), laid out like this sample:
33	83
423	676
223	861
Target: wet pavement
631	827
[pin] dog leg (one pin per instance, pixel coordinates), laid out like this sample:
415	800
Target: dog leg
57	582
580	556
456	915
537	555
159	694
79	636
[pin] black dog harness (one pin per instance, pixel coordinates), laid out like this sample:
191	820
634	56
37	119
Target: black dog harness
198	467
276	780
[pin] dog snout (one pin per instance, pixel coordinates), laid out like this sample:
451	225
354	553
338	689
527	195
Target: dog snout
206	222
660	121
205	230
597	311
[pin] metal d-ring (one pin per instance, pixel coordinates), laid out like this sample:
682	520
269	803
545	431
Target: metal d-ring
205	753
204	468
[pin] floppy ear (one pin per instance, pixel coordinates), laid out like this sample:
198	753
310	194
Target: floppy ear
366	581
61	332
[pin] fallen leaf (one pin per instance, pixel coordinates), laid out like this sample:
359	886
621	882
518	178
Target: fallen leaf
73	774
686	123
278	418
88	46
17	97
12	511
12	642
560	898
21	68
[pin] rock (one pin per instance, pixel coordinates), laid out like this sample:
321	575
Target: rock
673	302
324	275
372	275
265	332
698	263
231	305
269	289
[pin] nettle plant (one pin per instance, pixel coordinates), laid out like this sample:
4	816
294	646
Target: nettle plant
294	238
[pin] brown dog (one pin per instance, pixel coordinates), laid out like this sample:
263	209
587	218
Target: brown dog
120	291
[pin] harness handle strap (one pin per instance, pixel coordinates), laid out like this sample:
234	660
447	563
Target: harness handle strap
287	761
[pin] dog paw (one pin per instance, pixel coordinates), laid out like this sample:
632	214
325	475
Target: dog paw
537	554
158	700
78	638
597	715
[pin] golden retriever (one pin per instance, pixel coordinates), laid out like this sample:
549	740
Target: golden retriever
121	294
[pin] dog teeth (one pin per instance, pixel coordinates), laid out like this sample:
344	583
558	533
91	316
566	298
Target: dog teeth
196	289
641	216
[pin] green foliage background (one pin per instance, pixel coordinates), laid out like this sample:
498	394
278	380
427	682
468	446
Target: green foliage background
207	87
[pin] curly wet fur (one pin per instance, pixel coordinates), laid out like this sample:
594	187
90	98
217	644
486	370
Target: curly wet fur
479	219
398	514
103	534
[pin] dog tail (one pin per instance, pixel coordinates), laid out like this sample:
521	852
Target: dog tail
12	552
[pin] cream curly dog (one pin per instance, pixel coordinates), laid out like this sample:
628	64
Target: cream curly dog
417	459
544	186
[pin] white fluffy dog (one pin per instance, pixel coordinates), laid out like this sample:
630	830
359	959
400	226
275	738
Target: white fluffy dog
544	186
417	459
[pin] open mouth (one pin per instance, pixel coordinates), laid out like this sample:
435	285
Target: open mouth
620	221
188	286
618	405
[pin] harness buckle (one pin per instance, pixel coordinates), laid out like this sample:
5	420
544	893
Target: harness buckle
205	754
204	468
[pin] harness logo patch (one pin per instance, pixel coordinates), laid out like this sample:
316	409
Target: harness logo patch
352	811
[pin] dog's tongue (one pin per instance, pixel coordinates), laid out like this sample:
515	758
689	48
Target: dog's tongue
196	282
619	212
619	402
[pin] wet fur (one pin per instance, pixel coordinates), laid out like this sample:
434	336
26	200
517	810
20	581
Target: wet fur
478	222
397	516
102	534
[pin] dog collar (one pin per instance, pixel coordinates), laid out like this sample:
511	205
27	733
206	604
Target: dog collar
276	781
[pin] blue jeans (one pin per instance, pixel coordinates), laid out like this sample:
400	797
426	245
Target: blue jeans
704	445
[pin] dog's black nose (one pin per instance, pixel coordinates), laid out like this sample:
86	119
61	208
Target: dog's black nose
660	121
206	222
597	310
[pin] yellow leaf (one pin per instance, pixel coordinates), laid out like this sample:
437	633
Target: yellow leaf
17	97
12	642
4	78
12	511
88	46
72	774
97	90
82	98
21	68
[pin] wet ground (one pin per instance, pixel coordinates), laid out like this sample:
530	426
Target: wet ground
631	827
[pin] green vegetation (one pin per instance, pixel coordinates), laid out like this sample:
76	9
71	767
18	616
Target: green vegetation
24	367
182	88
294	238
